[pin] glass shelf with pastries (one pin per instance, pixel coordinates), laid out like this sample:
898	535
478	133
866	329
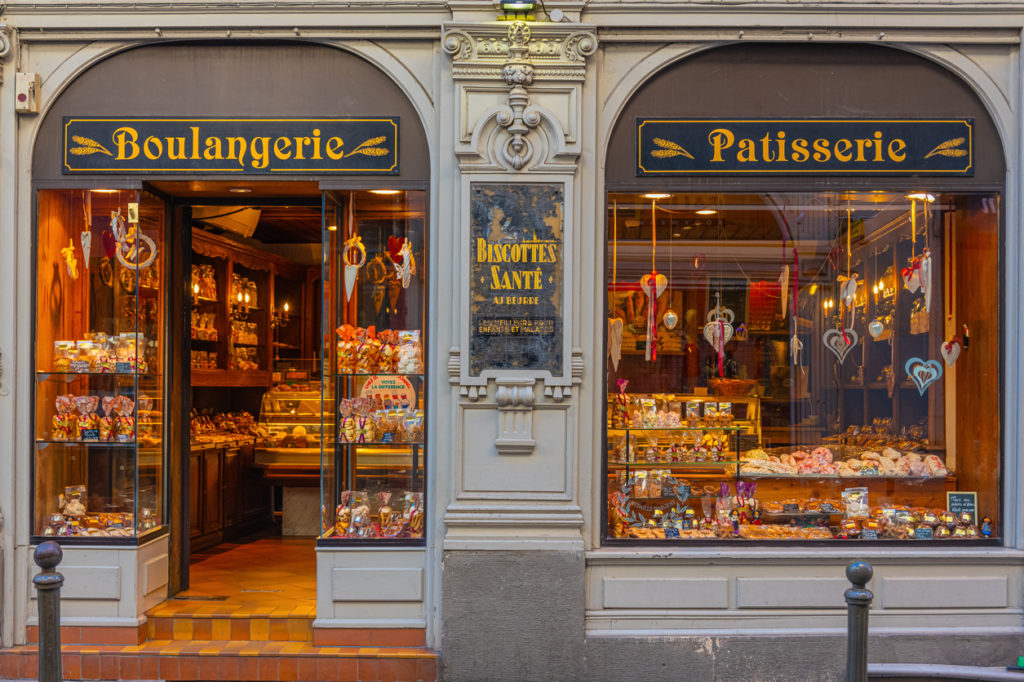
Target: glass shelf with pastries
290	422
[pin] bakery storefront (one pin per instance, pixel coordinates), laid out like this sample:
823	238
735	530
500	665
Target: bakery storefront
230	339
804	347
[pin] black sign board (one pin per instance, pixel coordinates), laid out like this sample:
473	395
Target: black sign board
960	501
869	534
805	146
923	533
235	146
515	256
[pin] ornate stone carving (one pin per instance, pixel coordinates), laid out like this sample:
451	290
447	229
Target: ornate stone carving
526	58
6	46
515	416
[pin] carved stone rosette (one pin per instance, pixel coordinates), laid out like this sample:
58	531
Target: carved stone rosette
527	61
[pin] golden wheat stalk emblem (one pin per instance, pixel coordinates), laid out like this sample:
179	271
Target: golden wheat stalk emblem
948	148
668	149
87	146
370	148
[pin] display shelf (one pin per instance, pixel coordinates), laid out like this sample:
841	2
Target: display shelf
42	443
376	374
619	466
677	428
382	443
232	378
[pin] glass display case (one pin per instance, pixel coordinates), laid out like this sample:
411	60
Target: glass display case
99	394
863	326
374	454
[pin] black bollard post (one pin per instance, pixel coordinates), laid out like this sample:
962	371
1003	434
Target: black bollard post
858	601
48	584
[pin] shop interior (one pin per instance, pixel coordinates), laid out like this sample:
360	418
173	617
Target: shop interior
802	366
293	321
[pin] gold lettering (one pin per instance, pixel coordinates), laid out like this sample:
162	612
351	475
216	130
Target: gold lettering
800	153
878	146
281	145
481	250
176	155
821	151
316	145
782	145
747	153
766	151
240	156
842	150
896	149
720	139
299	141
126	140
861	143
213	149
260	150
158	145
195	142
334	145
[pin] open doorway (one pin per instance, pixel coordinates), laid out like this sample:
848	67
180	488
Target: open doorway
248	483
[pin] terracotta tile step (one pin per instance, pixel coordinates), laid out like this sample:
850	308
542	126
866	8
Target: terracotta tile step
230	628
206	660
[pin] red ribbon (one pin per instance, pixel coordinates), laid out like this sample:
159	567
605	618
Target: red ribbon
721	346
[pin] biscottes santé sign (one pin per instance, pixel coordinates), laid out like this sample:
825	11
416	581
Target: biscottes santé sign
805	146
245	146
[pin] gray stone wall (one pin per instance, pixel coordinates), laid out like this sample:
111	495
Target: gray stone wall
515	616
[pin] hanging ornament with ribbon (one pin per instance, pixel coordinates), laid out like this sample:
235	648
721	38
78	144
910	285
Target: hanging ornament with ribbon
719	330
795	346
784	289
353	255
653	285
615	324
86	236
670	319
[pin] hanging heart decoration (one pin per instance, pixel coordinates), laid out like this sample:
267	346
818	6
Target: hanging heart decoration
911	277
394	248
86	239
109	243
840	342
718	331
653	285
615	325
950	351
670	320
876	328
923	373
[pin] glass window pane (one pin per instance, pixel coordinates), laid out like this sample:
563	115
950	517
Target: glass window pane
375	294
794	366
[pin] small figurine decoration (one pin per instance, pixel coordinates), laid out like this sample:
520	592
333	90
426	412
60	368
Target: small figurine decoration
734	518
69	259
986	527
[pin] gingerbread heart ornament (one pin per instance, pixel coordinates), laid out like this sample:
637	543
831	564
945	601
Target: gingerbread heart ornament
923	373
615	325
395	248
950	351
840	342
653	285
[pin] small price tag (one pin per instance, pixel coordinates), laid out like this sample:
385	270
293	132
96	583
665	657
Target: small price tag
90	434
791	508
387	438
827	508
869	534
671	532
123	367
79	366
125	438
923	533
686	524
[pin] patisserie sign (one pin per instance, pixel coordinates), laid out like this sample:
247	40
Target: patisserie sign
241	146
805	146
515	259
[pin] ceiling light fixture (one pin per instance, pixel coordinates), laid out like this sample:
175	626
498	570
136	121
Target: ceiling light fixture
516	9
385	191
104	191
656	195
922	196
240	190
707	211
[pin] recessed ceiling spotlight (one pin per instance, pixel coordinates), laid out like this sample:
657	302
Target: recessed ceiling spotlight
707	211
104	191
656	195
922	196
240	190
385	191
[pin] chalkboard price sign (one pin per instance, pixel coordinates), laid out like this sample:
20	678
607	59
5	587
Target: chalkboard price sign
922	533
960	501
869	534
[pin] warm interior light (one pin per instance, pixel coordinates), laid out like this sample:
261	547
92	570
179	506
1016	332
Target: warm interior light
881	285
332	228
195	288
239	296
922	196
286	307
707	211
104	191
516	6
656	195
247	298
240	190
385	191
814	289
